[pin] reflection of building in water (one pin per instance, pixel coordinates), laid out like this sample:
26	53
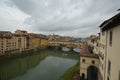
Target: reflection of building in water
18	66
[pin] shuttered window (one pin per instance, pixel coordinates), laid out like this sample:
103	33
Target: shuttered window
110	37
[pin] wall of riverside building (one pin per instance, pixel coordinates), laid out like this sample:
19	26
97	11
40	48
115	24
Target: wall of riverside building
19	66
113	54
23	43
34	42
102	54
8	45
44	42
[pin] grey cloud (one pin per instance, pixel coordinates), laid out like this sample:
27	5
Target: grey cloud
67	15
25	5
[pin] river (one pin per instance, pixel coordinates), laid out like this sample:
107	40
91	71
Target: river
44	65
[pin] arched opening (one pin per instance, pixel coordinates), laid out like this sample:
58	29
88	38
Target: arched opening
83	76
92	73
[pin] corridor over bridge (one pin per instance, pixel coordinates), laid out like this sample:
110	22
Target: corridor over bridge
67	44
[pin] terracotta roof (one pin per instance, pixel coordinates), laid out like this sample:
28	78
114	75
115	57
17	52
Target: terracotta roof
86	53
90	55
84	49
5	32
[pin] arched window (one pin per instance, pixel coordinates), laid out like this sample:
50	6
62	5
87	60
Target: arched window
92	73
83	76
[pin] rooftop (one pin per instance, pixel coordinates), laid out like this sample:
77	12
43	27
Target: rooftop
110	23
86	53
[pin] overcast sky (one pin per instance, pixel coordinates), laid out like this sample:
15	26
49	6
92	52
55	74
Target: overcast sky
79	18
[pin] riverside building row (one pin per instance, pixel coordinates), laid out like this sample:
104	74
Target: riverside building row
99	57
20	41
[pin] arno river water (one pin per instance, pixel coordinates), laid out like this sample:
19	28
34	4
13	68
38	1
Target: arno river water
43	65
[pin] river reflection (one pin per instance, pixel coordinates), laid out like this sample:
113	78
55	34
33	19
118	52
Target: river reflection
47	65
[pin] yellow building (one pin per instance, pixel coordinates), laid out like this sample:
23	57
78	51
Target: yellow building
96	45
110	49
37	41
22	32
22	39
44	42
14	43
34	43
8	43
89	63
102	55
93	43
5	43
22	43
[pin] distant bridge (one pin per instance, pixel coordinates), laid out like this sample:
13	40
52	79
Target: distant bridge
69	45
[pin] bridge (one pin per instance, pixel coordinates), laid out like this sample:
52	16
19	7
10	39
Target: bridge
70	45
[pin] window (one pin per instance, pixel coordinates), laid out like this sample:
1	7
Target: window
108	78
102	66
119	74
83	60
109	67
110	38
6	48
83	76
6	40
93	62
101	55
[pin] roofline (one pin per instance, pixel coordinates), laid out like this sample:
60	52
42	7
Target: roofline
90	55
111	22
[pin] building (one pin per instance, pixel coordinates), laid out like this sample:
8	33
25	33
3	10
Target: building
44	41
22	39
37	41
14	43
5	43
93	42
8	43
89	63
22	32
34	41
110	49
